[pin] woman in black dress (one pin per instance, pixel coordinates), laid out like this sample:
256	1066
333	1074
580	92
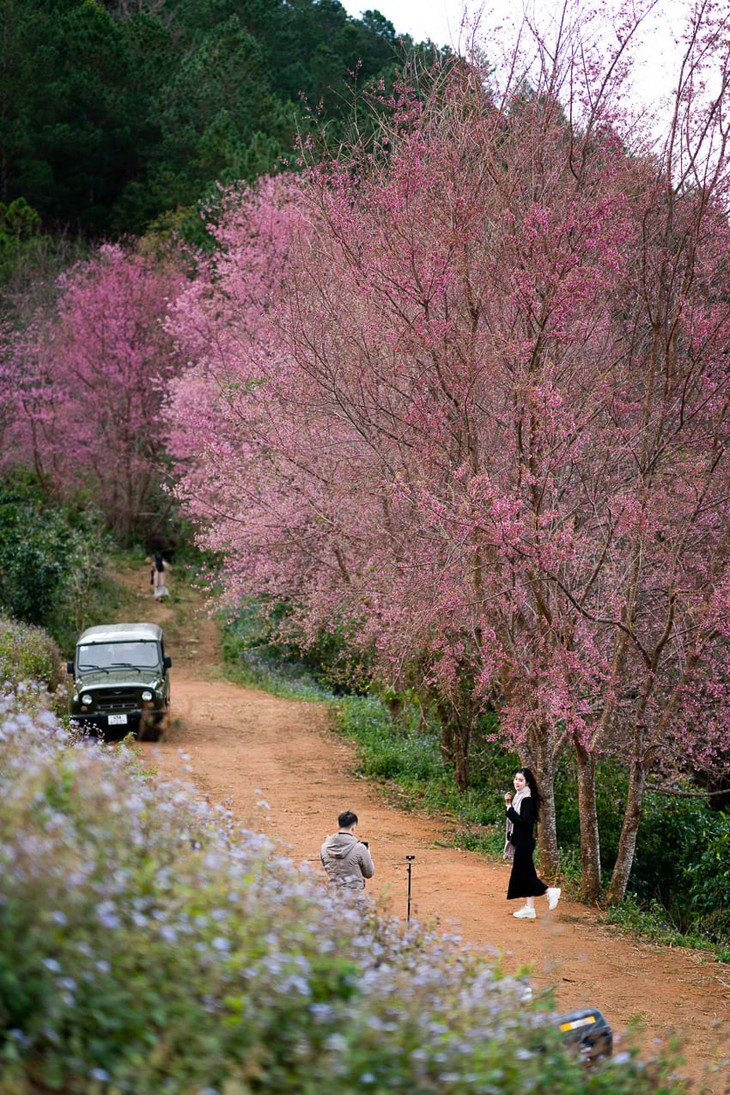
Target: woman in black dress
522	813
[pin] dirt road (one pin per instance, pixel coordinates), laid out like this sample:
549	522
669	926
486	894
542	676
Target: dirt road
284	771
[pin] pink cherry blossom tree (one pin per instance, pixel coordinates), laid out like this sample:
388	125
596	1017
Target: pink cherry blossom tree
465	388
87	379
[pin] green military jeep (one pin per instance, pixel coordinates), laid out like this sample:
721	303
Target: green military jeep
121	681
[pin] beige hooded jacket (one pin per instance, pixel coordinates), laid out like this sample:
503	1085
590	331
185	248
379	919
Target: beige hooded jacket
347	861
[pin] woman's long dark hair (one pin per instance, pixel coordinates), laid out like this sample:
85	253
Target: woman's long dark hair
534	790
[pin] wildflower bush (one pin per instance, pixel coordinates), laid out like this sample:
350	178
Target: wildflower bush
148	944
28	654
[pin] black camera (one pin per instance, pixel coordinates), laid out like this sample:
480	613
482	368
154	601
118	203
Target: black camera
587	1032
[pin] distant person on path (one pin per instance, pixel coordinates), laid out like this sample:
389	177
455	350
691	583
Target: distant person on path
522	813
157	577
346	859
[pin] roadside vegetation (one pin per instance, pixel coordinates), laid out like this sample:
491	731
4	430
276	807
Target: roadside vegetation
31	667
148	943
423	361
51	560
682	868
169	948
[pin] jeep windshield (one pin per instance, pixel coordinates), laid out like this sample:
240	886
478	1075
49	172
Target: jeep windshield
130	655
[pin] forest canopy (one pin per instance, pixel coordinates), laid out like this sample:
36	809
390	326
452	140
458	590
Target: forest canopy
114	114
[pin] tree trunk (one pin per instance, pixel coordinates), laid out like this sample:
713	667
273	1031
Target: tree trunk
542	758
629	830
455	741
447	741
547	835
590	847
396	706
462	740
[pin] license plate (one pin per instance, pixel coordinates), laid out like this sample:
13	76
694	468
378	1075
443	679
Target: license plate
117	720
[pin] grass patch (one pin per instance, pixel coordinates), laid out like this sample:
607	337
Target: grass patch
650	920
254	669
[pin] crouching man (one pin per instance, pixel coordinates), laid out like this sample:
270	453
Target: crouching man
346	859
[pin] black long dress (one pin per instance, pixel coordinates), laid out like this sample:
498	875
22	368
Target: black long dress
523	882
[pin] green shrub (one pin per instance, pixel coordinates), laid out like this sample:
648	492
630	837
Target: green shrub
708	875
682	860
146	944
51	560
263	634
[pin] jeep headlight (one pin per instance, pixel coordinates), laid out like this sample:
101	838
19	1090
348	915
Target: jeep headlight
86	698
147	695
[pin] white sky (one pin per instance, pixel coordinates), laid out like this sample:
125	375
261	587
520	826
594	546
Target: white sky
440	20
435	19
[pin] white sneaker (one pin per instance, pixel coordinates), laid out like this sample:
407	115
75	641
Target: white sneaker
525	913
553	896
